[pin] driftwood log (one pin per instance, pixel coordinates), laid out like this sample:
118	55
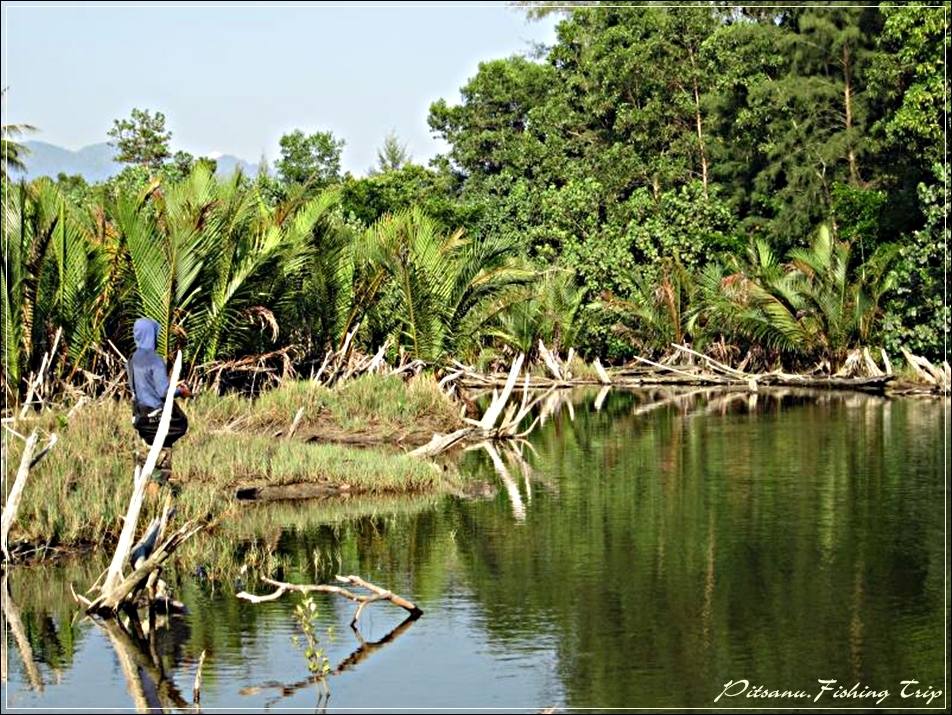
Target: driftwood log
378	594
501	420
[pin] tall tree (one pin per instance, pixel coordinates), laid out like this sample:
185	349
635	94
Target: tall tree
819	132
141	139
907	78
392	155
312	159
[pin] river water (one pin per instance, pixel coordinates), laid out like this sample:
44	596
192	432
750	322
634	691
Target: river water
642	550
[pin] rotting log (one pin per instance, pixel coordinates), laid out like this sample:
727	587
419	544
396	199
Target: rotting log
379	594
927	372
442	442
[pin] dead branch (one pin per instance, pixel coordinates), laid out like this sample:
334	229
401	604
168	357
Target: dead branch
551	361
27	462
886	362
501	420
127	589
602	374
362	600
140	478
294	424
36	384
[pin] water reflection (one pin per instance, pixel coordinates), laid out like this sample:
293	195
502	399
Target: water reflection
640	549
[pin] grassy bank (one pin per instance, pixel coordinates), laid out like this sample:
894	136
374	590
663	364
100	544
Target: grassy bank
80	491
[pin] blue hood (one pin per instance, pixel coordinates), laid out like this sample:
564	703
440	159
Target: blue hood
146	333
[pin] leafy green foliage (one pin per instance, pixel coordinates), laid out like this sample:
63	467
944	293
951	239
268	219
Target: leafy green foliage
12	153
597	194
141	139
917	311
448	288
814	306
305	615
312	159
54	277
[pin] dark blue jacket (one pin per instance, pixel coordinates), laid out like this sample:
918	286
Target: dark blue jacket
146	367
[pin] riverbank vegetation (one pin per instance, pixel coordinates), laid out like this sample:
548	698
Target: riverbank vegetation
765	184
79	492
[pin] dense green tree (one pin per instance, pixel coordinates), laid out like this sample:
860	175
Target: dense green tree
819	131
449	289
366	199
814	306
908	76
917	312
75	187
54	276
141	139
312	159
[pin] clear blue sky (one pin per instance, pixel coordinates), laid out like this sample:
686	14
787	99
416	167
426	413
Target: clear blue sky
234	78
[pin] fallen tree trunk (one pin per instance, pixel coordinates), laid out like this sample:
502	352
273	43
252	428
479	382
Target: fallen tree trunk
929	373
501	420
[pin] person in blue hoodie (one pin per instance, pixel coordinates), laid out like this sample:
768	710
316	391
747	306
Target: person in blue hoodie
149	382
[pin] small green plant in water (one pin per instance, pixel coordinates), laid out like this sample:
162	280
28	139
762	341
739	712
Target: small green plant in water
305	613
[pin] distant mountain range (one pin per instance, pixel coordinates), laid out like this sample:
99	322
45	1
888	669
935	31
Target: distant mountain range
95	162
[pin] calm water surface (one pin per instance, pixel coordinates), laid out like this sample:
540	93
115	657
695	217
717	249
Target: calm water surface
640	554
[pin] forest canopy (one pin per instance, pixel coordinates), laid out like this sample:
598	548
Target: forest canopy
769	181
